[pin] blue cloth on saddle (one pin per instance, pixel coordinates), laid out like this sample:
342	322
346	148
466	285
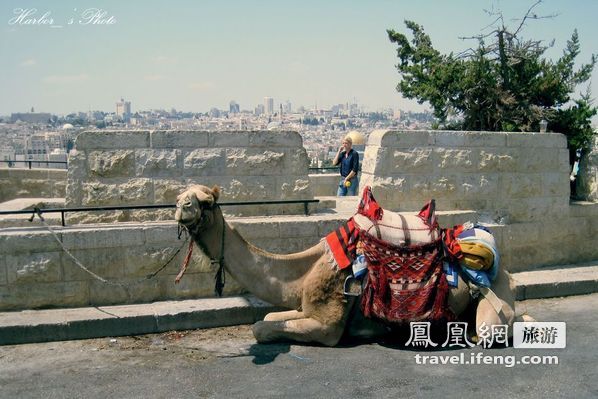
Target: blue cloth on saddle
480	234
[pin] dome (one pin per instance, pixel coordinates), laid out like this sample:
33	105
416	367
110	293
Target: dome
67	126
358	138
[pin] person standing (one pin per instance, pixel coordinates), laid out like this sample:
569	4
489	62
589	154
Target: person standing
349	166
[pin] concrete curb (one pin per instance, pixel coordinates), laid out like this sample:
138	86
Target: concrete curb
110	321
564	281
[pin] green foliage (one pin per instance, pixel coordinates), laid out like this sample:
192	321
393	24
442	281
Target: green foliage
506	85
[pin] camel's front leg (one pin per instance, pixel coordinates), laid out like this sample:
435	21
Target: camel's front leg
286	315
486	312
302	330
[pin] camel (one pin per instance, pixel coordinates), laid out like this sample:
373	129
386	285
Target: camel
305	282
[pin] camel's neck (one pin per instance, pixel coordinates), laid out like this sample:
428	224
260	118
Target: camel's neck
273	278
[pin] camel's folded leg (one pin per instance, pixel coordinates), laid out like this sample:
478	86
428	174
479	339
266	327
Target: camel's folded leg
286	315
302	330
486	312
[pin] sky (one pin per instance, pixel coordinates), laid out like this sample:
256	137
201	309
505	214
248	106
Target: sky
195	55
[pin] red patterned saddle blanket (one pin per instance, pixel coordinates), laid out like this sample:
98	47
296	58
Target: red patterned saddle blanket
404	283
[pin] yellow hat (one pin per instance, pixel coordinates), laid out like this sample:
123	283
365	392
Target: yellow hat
476	256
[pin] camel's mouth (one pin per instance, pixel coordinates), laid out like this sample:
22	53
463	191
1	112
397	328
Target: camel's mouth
186	212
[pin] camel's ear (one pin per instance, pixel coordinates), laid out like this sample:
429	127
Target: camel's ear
216	193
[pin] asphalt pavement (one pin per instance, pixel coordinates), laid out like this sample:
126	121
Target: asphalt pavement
226	362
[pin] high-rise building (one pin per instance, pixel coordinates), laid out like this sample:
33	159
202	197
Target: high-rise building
287	107
259	110
123	110
268	105
233	107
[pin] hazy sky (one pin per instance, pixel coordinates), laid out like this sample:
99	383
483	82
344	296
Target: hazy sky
193	55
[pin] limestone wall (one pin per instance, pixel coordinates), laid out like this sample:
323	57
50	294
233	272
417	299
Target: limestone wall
142	167
32	183
509	177
35	272
324	184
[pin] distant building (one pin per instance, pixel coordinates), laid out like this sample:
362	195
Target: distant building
268	105
214	113
259	110
31	117
287	107
123	110
234	108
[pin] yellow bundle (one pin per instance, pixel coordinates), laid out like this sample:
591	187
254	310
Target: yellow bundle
476	256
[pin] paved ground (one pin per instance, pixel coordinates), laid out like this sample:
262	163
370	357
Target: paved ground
226	362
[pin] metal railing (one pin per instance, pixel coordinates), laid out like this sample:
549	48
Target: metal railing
12	164
63	211
323	169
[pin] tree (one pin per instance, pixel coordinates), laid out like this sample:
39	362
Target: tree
505	85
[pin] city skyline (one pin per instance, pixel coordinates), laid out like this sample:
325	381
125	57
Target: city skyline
193	56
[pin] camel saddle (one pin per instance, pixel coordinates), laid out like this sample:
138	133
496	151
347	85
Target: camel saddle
404	254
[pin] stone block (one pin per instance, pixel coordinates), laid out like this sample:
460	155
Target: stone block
296	161
258	228
463	160
115	139
96	193
403	139
28	241
229	139
34	188
109	237
158	163
254	162
59	189
476	186
499	160
170	139
416	161
107	263
293	187
15	297
193	286
522	234
136	192
521	185
163	234
536	140
166	191
434	186
371	157
34	268
540	160
275	139
119	163
247	188
398	187
555	185
296	229
142	261
485	139
204	162
128	291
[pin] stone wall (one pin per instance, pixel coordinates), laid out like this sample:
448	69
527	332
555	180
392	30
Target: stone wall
142	167
507	177
35	272
32	183
324	184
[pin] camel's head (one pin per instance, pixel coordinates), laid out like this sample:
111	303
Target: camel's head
194	206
